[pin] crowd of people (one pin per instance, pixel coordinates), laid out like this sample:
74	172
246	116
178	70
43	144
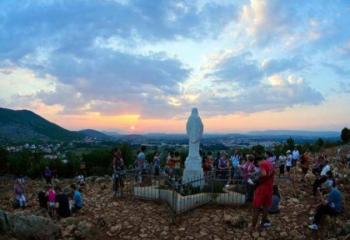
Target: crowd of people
257	172
58	203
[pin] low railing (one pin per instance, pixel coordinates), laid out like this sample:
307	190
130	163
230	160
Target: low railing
215	187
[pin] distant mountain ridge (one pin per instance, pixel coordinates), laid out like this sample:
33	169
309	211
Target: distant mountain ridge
27	126
299	133
95	134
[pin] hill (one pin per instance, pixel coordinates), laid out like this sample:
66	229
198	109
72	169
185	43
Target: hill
25	126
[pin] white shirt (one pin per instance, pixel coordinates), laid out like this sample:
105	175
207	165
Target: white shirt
289	160
325	170
282	160
296	154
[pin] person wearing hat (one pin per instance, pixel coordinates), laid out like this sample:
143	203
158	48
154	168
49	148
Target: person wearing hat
331	206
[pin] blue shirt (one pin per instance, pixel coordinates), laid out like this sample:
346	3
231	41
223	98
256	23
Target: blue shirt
335	200
235	161
77	199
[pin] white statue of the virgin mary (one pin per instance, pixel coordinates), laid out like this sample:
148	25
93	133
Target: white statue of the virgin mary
193	165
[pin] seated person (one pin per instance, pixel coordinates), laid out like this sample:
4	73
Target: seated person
276	199
322	178
332	206
62	203
77	199
19	194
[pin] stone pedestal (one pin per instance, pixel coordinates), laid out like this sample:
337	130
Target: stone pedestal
193	172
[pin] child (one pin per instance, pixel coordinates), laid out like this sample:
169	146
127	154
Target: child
276	198
19	194
51	197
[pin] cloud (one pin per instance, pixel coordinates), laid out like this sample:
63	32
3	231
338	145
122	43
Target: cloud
69	25
264	97
237	68
273	66
305	25
62	39
268	20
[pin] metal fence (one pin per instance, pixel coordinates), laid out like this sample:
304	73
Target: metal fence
216	187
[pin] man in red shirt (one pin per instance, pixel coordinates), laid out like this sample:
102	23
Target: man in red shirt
263	193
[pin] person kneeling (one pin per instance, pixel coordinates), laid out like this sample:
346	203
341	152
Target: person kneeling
331	206
77	199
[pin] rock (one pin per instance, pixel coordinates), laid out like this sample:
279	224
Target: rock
255	234
116	228
84	230
102	179
284	234
28	226
294	200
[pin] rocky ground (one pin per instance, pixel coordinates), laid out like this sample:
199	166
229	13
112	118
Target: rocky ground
105	217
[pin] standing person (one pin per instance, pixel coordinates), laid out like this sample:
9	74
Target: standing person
223	165
248	169
235	160
331	206
296	156
282	163
19	194
208	165
51	199
62	203
177	164
42	198
305	161
77	199
156	164
263	193
48	175
118	168
170	164
289	162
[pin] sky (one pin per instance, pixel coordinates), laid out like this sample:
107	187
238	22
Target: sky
137	66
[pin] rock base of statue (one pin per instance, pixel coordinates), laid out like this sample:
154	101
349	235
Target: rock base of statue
193	173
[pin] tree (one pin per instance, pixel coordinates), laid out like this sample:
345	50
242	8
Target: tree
3	159
345	135
290	143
